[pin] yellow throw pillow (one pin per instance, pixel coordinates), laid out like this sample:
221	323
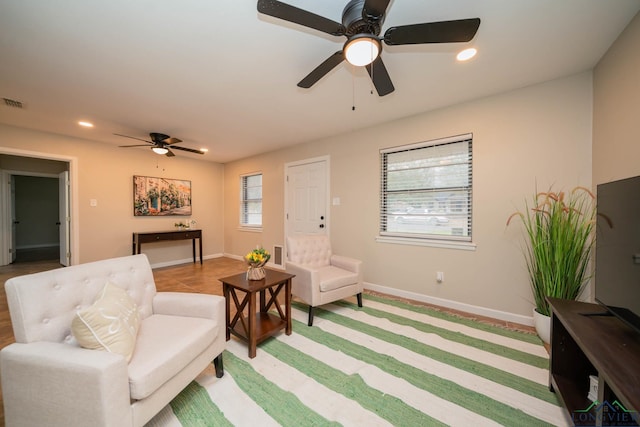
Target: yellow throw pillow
110	324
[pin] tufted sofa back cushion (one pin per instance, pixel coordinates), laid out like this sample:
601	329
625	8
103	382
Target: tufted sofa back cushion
312	250
42	305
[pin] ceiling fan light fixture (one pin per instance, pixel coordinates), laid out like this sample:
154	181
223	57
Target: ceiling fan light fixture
361	50
160	150
466	54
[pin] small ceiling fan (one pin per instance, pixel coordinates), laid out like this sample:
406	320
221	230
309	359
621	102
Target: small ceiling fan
160	144
361	24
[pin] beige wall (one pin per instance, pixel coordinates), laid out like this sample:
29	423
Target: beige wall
616	112
539	134
105	173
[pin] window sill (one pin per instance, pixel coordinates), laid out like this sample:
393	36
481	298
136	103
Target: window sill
434	243
250	229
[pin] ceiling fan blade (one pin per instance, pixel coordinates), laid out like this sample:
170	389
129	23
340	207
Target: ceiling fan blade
374	9
169	141
329	64
139	145
380	77
169	153
190	150
300	16
133	137
461	30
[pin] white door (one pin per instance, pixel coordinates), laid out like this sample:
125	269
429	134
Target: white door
64	218
14	220
307	199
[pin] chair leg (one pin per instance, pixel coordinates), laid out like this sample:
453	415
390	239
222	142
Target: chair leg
359	299
217	363
310	323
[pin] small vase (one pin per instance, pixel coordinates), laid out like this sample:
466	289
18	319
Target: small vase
542	324
256	273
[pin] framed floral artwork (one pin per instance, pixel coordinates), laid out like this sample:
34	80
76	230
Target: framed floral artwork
161	196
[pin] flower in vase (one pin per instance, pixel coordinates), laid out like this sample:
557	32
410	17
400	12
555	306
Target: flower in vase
257	257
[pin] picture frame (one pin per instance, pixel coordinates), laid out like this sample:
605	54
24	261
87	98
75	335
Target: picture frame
154	196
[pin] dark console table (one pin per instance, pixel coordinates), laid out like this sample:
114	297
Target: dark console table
586	341
162	236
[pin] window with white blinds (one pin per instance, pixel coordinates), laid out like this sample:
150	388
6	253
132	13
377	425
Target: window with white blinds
426	190
251	200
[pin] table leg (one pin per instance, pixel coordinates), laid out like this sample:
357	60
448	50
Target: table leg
252	338
193	246
200	242
287	306
227	309
263	301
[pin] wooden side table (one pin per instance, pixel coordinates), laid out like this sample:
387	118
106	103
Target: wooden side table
255	327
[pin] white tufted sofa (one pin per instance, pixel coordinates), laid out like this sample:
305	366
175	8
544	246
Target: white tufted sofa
48	380
320	276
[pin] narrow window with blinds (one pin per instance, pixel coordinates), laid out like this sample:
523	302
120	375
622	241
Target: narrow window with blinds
251	200
426	190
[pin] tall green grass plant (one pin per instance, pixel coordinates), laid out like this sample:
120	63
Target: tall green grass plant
559	230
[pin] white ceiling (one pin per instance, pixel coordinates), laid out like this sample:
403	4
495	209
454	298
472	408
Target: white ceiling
218	74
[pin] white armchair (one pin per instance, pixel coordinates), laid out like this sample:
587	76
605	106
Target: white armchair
320	276
48	379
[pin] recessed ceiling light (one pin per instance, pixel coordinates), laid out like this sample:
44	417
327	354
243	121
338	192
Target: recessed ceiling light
85	124
466	54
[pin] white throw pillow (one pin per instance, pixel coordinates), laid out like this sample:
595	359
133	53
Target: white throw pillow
110	324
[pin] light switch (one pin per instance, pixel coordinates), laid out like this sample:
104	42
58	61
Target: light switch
336	201
93	202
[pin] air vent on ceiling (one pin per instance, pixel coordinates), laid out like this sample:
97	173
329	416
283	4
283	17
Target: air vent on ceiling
12	103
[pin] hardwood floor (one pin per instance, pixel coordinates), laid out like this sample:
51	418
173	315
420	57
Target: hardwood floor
181	278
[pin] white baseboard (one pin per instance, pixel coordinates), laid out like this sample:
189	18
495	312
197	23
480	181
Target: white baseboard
454	305
240	258
40	245
190	260
183	261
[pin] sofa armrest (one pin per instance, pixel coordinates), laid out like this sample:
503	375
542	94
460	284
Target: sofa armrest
346	263
302	283
302	272
189	305
55	384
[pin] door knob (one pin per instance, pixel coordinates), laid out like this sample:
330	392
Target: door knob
321	225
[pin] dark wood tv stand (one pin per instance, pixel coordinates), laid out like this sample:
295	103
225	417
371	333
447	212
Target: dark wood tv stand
585	342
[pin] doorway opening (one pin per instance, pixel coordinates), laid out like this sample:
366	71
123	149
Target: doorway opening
35	216
36	221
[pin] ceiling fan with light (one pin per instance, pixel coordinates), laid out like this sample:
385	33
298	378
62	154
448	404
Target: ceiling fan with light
160	144
361	24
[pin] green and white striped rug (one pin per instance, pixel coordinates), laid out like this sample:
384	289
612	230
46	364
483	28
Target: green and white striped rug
389	363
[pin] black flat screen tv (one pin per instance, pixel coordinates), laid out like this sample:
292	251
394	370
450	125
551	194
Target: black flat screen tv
617	272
